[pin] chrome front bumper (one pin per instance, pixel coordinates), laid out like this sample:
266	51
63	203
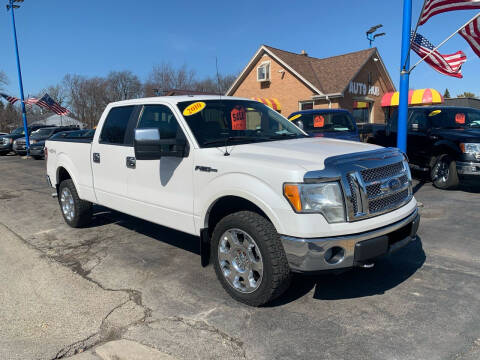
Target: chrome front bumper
468	168
308	255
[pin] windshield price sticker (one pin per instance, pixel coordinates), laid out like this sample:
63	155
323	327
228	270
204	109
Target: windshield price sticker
194	108
460	118
318	121
295	117
239	118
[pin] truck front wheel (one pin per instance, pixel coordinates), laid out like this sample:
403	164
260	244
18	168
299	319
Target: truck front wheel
249	259
76	212
444	172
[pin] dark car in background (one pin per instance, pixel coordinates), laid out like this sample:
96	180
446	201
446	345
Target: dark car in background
37	140
38	137
332	123
6	141
441	140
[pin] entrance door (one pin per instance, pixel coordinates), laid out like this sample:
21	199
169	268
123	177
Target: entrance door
161	191
108	158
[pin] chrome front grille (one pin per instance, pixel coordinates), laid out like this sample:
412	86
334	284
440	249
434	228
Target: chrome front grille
387	202
382	172
384	188
374	182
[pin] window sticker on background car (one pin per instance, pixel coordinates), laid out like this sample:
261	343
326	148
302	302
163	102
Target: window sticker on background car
295	117
194	108
239	118
435	112
460	118
318	121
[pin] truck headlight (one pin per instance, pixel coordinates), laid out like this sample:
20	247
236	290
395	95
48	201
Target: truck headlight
323	198
471	148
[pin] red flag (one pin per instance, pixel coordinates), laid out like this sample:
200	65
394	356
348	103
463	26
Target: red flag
450	65
471	33
434	7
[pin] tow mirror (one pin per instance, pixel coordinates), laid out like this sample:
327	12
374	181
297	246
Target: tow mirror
149	146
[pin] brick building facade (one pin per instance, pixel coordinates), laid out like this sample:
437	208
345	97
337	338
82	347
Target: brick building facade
355	81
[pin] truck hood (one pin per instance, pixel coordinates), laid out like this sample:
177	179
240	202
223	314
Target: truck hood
460	134
307	153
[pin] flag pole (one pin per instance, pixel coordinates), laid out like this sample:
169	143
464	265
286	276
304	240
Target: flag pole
416	28
443	42
404	76
11	7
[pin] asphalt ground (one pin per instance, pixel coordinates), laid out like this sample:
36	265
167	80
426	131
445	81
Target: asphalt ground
124	278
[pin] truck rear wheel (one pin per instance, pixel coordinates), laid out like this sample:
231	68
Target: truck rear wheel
76	212
249	259
444	172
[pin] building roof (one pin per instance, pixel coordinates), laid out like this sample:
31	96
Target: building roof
176	92
325	76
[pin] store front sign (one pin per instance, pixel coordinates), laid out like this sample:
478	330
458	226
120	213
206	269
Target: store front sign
358	88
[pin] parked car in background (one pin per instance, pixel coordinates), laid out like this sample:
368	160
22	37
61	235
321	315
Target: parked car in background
264	198
37	150
37	140
331	123
6	141
2	133
441	140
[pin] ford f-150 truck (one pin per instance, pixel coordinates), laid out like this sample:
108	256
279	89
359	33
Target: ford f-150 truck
264	198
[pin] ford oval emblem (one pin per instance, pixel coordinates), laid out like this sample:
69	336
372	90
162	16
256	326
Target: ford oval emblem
394	184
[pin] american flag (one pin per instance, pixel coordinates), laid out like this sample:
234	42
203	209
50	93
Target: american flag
11	99
471	33
47	102
434	7
445	64
31	101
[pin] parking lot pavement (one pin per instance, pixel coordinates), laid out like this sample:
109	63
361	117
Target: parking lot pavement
421	303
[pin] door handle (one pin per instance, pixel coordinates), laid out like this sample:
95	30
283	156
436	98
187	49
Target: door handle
131	162
433	137
96	157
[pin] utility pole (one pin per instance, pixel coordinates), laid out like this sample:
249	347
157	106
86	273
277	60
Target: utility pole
11	6
404	77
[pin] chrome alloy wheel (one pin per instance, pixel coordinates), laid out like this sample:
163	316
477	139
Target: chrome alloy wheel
67	203
240	260
441	171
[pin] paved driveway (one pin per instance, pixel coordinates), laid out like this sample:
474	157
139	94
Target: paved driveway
421	303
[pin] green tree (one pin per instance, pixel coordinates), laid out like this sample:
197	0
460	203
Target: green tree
466	94
446	94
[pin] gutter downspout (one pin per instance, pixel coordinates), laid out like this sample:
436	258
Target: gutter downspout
329	101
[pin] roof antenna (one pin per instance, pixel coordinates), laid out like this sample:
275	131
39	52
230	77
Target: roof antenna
226	153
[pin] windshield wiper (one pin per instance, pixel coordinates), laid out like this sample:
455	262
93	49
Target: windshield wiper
226	140
285	135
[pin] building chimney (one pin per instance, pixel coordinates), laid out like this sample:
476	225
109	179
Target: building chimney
304	53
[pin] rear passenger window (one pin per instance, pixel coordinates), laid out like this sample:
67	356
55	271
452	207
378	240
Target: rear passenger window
161	117
115	125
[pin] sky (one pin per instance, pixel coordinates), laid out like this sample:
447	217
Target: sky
92	38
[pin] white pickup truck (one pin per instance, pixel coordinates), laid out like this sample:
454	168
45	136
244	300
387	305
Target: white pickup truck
264	198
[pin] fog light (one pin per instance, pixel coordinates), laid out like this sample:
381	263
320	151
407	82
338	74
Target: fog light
334	255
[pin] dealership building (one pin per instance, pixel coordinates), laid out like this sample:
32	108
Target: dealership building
289	82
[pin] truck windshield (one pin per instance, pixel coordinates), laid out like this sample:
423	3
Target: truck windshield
455	118
218	122
42	132
325	122
18	131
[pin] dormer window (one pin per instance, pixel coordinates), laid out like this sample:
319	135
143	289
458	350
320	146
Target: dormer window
263	72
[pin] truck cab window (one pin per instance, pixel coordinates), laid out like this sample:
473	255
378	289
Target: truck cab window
115	126
161	117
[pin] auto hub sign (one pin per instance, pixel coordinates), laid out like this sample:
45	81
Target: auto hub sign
358	88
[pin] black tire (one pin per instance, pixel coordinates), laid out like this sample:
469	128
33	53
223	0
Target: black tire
37	157
444	172
276	271
81	214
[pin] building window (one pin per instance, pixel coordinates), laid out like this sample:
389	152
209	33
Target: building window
306	105
263	71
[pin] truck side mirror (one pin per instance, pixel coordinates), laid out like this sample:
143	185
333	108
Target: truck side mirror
149	146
